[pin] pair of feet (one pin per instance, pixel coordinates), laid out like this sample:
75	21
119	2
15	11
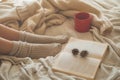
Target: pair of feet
36	46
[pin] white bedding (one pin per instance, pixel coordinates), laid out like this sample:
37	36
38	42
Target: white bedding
54	17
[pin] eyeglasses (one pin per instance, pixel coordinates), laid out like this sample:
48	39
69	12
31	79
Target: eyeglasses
76	52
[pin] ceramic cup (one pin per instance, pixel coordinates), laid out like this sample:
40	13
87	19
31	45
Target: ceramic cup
82	21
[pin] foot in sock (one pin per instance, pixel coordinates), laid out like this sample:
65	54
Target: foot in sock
34	38
24	49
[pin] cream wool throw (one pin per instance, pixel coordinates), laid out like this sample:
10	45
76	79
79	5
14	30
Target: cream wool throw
54	12
48	13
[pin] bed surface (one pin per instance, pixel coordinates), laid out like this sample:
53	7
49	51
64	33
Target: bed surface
55	17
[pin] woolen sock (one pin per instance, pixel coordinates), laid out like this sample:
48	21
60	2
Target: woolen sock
24	49
34	38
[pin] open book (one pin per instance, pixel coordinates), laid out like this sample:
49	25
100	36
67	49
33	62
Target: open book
85	67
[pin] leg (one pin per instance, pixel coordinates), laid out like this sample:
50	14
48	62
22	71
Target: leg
9	33
32	38
12	34
5	46
23	49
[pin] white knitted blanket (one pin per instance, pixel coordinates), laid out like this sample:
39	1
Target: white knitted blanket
54	17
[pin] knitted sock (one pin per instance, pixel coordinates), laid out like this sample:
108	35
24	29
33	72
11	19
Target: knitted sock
24	49
34	38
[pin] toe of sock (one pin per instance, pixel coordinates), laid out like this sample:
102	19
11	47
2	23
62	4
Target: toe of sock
57	48
63	38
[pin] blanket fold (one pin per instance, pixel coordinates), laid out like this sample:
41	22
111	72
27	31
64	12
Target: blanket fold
27	12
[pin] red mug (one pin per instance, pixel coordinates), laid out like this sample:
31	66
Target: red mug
83	22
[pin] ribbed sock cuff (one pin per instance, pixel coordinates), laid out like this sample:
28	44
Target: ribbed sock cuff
14	48
20	49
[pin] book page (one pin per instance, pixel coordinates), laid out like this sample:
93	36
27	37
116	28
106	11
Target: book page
95	49
83	67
